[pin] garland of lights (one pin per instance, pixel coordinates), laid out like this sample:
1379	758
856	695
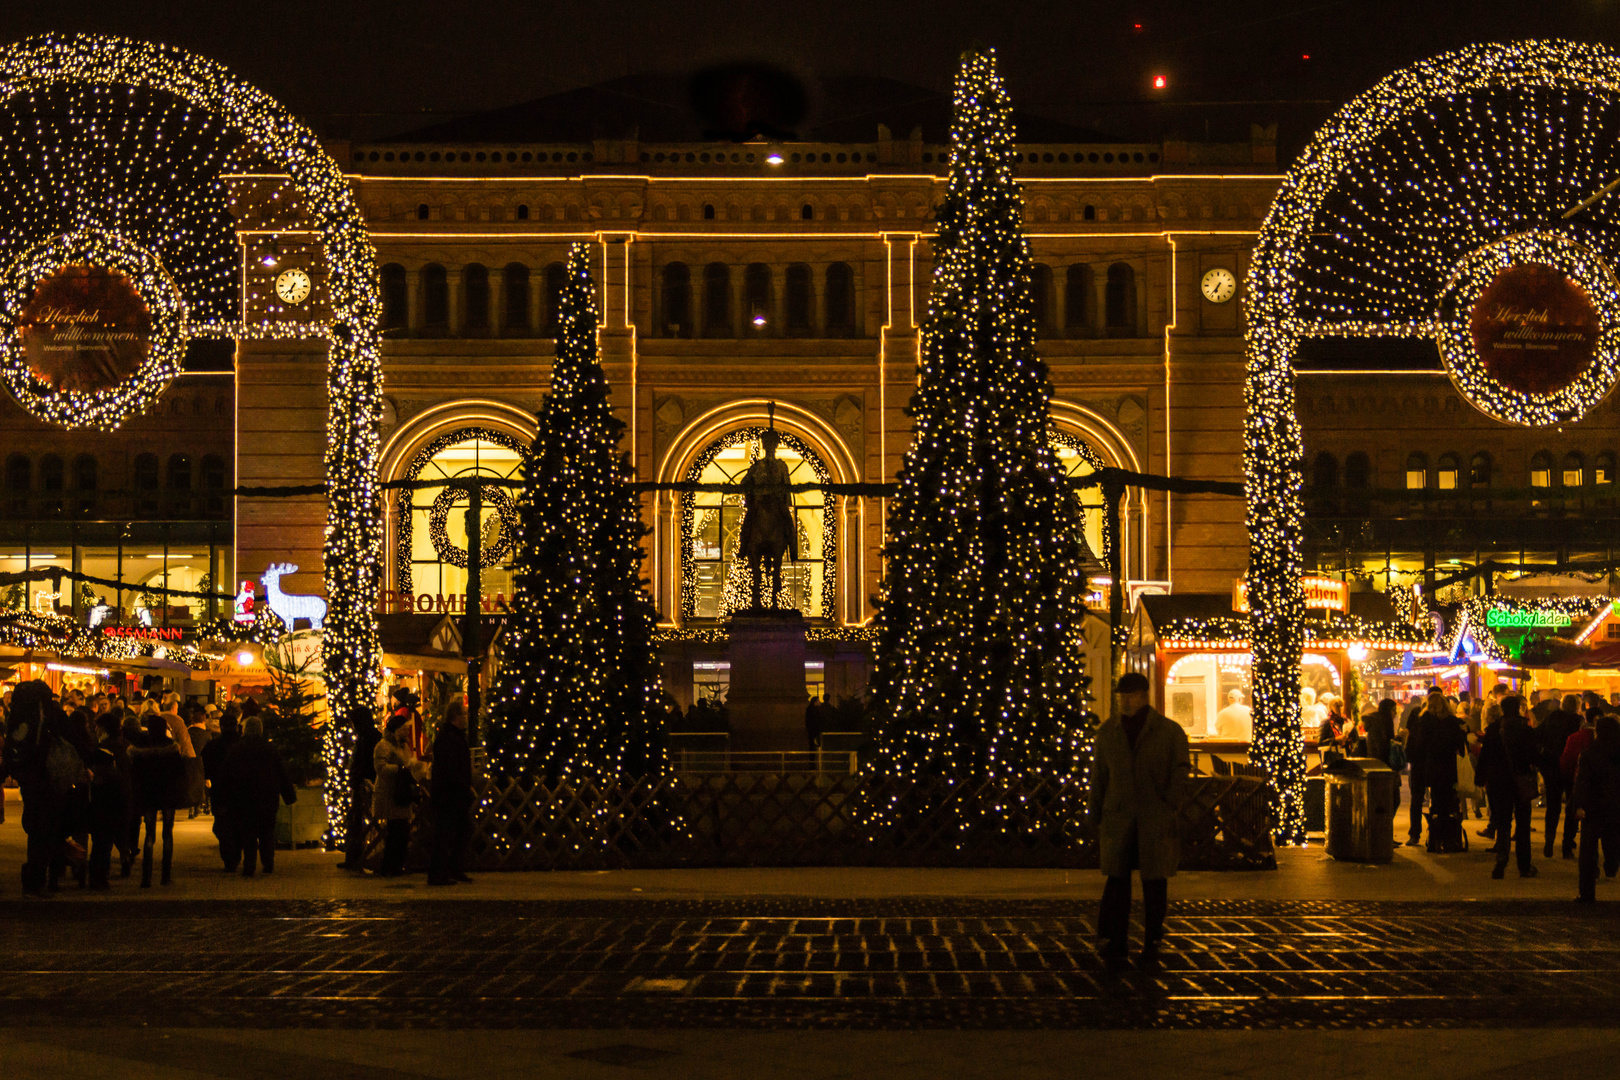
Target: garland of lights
1329	626
405	525
1473	619
106	409
439	519
829	528
1435	162
1455	337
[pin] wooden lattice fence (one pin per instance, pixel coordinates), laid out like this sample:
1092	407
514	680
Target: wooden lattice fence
801	819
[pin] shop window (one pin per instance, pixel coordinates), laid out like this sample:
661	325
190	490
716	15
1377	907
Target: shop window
1040	298
84	484
1417	472
515	288
1119	303
147	482
840	300
757	299
1574	470
556	274
395	301
52	479
1079	299
677	297
213	485
435	297
475	288
1541	467
798	301
1445	473
717	301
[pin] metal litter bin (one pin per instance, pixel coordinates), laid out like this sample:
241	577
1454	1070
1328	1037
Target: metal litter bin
1361	810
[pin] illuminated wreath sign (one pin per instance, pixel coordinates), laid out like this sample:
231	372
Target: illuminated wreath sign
92	329
1529	329
1421	210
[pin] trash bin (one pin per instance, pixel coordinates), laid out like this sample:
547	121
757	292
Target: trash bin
1361	810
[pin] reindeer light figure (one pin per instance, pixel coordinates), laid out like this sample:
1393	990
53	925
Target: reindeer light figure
288	606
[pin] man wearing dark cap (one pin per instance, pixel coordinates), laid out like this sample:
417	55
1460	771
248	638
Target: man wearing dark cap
1138	780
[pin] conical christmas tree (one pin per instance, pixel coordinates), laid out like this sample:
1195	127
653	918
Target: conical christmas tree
980	673
579	698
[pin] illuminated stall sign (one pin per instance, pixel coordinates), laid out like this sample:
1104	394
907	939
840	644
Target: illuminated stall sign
144	633
1321	594
395	602
1498	619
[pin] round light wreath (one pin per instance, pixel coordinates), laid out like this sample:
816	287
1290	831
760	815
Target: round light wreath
1453	333
439	517
106	409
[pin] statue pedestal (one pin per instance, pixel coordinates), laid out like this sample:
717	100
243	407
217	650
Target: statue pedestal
767	696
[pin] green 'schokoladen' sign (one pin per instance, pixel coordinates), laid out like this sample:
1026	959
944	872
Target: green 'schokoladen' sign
1527	620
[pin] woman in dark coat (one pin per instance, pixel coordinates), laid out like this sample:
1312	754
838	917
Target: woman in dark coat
1507	767
1433	744
158	772
1595	800
256	781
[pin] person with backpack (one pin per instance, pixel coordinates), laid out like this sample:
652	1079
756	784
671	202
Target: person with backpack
41	757
1507	766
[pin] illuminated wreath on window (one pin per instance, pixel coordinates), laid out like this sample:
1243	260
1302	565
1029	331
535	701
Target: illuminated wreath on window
492	555
65	290
1529	327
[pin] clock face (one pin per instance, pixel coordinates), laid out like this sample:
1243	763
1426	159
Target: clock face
292	286
1219	285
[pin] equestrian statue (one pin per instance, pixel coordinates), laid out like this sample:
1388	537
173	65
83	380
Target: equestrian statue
768	529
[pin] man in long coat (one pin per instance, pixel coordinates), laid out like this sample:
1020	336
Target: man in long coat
1138	780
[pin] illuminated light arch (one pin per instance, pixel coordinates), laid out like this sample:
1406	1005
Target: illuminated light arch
1324	267
409	438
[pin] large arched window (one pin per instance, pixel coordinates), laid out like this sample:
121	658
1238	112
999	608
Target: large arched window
1079	460
717	301
840	300
395	299
1574	473
677	300
757	300
1479	471
1446	473
475	287
1417	472
1040	298
435	298
1120	302
799	301
432	521
1080	300
715	581
1541	469
515	289
556	274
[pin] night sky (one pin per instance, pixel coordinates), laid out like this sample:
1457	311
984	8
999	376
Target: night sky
376	67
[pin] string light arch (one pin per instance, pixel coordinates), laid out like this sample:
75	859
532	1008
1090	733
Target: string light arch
139	138
1388	213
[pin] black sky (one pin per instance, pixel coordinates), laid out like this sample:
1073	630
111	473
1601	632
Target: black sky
366	67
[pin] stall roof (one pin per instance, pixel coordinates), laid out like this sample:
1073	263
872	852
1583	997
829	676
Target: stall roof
1209	616
412	633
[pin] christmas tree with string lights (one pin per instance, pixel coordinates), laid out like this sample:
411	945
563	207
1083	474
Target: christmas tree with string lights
980	669
579	695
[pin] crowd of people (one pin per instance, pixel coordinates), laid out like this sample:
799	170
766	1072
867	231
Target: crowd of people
1501	754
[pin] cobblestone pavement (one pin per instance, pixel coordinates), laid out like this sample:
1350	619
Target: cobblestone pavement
798	963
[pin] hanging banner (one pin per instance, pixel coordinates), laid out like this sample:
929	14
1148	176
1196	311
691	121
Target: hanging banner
1535	329
85	330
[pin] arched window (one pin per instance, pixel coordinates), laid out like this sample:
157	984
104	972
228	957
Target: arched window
1574	470
1541	469
1040	297
1325	472
717	301
213	484
84	484
435	298
757	299
1446	472
840	300
807	212
556	274
179	485
475	287
395	302
1417	472
1357	471
515	289
423	566
708	211
1603	468
1479	471
147	480
19	478
799	301
677	290
523	211
422	212
1080	300
52	479
1090	213
1119	303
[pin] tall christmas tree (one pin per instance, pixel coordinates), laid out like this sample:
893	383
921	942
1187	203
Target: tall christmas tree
980	672
579	697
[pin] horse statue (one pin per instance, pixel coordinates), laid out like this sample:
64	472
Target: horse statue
289	606
768	529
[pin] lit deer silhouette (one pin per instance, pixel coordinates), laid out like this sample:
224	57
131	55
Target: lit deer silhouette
289	607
